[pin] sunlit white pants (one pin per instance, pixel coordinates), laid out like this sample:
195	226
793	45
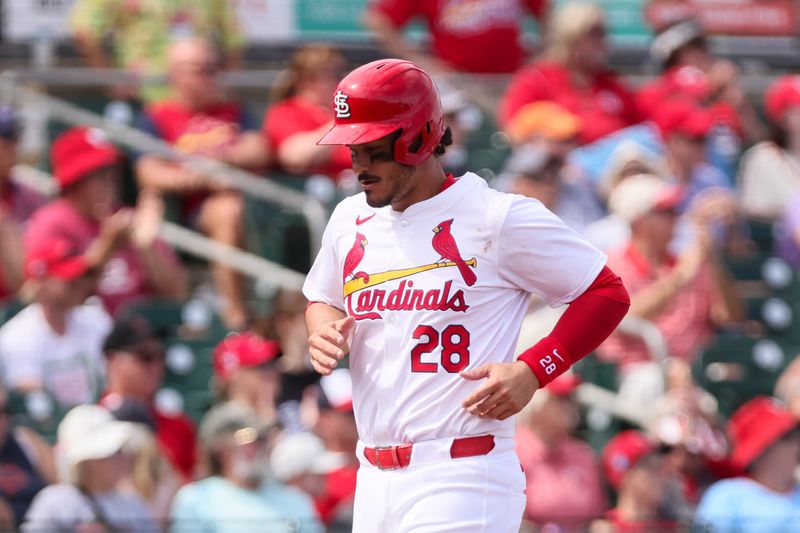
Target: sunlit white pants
436	494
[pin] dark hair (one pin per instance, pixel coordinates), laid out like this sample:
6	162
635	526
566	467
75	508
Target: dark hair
441	148
672	60
777	134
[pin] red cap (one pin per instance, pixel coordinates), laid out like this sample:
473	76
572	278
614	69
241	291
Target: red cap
54	258
681	115
622	453
242	350
564	385
756	426
81	151
781	95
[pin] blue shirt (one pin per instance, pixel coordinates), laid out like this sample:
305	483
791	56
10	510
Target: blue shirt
743	506
217	505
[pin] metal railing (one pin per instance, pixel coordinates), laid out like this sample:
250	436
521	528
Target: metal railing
255	186
187	240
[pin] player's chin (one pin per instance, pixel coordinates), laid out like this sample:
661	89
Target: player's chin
376	199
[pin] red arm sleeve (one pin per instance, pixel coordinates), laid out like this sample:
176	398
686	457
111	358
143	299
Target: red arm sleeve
586	323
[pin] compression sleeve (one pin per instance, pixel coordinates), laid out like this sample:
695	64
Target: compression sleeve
586	323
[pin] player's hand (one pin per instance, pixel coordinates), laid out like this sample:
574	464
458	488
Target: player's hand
328	344
508	388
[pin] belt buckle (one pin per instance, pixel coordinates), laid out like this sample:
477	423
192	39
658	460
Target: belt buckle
395	466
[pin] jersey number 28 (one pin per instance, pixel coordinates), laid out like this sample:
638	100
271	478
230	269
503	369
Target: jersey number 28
455	348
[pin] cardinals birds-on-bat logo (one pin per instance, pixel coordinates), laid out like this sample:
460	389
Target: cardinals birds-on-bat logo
354	257
445	245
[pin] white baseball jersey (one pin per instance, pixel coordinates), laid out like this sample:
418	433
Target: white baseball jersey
438	288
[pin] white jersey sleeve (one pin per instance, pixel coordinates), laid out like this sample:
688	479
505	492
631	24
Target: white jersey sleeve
540	254
323	282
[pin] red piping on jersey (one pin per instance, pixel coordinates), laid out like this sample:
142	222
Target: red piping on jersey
586	323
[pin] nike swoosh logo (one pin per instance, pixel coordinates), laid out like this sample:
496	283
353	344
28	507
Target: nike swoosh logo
360	220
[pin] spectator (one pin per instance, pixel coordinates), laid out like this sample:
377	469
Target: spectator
691	71
769	174
465	37
628	159
574	73
537	171
151	476
564	487
548	122
134	371
121	243
301	113
336	426
17	202
684	422
686	296
288	326
244	366
300	462
463	117
684	128
143	32
55	344
766	445
200	121
236	448
91	445
26	467
635	470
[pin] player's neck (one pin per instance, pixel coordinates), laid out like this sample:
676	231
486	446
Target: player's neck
429	178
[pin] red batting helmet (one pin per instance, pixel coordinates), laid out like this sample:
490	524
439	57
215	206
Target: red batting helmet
385	96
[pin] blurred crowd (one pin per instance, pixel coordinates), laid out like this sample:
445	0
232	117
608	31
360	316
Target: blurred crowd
667	179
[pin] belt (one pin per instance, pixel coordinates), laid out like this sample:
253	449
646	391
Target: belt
394	457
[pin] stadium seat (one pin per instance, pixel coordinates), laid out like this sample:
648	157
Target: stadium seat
192	319
736	368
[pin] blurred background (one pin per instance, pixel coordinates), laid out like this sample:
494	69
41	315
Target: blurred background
162	197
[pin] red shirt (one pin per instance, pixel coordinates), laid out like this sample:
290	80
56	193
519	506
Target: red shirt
479	36
604	108
685	322
205	132
686	82
176	436
292	116
124	277
564	484
340	488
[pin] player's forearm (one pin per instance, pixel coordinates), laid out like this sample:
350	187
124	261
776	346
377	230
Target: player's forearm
586	323
319	314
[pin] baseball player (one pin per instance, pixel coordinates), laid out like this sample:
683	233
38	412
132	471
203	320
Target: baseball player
424	280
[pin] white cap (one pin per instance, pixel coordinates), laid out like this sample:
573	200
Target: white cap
298	453
90	432
639	195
